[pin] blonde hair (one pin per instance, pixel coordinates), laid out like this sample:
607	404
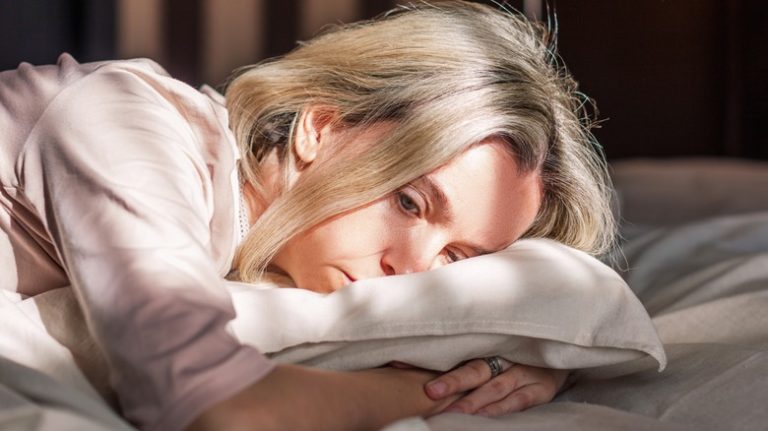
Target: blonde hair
449	74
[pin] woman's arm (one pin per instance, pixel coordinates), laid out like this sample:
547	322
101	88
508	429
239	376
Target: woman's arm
120	170
299	398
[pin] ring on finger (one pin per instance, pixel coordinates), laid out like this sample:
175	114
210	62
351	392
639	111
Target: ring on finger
494	363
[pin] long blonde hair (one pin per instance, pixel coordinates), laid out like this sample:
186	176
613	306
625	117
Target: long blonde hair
449	74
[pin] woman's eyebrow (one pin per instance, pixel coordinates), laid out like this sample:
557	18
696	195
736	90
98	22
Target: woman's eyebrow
443	204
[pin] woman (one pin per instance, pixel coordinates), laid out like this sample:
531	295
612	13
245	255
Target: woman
433	134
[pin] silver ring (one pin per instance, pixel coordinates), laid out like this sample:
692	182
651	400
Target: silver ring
494	363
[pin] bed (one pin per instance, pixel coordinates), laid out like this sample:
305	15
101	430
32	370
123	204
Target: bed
694	251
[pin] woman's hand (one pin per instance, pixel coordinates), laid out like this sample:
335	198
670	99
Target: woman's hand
517	388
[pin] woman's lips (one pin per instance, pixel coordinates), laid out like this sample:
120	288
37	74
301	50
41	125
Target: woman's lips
349	277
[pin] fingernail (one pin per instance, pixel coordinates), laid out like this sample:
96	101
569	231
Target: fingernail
453	409
437	389
483	413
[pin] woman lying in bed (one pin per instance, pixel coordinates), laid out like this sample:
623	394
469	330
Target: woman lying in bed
434	134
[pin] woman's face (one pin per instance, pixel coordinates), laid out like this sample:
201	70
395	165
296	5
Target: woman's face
476	204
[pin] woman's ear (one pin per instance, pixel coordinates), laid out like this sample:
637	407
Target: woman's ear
313	132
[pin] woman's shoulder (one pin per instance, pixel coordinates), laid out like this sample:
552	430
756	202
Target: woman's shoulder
71	93
29	89
136	80
30	84
67	64
144	82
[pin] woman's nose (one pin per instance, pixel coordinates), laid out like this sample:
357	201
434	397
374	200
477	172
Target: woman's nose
410	257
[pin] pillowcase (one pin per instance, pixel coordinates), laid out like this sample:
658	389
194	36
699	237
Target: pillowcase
538	303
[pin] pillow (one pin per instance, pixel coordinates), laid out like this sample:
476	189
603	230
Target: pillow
661	192
538	303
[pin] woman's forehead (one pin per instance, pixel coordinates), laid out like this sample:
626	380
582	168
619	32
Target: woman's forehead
484	196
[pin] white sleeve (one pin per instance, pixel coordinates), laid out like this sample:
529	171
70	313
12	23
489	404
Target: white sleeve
111	169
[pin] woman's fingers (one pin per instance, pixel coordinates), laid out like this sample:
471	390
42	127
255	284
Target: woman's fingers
491	392
471	375
519	400
516	389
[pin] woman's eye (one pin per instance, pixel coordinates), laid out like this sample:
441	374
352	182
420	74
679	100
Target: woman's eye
407	203
453	256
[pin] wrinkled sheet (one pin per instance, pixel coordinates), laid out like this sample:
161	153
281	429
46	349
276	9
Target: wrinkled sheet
705	284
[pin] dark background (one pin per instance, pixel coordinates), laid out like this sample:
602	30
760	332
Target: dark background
671	78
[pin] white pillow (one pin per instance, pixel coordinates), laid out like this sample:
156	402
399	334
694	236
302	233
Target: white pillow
537	302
